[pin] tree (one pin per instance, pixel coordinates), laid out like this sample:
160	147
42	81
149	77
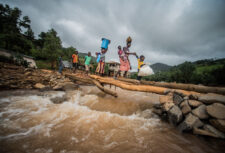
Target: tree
67	52
52	46
15	33
187	70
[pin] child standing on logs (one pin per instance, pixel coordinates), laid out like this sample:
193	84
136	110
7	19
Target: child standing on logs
124	60
140	64
101	57
87	61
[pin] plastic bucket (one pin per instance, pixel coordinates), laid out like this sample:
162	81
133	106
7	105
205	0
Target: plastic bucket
98	57
105	43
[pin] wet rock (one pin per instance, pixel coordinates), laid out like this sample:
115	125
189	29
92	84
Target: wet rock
157	111
177	99
194	103
70	86
201	112
219	124
211	98
146	113
190	122
39	86
58	100
186	98
65	86
185	102
167	106
186	108
204	132
216	110
193	97
175	115
157	106
166	99
214	131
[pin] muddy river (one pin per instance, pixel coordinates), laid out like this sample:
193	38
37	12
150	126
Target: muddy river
88	121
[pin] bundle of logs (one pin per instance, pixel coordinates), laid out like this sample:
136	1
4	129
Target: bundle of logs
194	108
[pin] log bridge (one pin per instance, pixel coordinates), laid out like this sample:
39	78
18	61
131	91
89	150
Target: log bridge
161	88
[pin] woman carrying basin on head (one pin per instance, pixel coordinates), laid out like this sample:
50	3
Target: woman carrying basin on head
124	60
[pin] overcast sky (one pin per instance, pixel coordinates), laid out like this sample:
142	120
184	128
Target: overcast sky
166	31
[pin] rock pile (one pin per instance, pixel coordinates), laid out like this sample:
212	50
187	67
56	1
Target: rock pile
18	77
202	114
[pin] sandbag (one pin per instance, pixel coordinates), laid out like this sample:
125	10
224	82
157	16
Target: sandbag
145	71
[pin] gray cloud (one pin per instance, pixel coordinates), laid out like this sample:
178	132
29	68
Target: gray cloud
164	31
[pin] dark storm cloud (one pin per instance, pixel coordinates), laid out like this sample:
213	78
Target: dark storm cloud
164	31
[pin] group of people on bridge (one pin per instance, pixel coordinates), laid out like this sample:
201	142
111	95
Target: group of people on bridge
123	54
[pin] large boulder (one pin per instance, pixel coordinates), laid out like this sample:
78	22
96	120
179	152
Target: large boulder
166	99
204	132
201	112
177	99
39	86
167	106
190	122
211	98
194	103
185	108
214	131
216	110
175	115
185	102
157	111
219	124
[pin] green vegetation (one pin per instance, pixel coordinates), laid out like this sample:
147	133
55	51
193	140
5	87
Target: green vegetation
207	72
16	35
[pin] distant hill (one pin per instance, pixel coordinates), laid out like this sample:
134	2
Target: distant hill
160	67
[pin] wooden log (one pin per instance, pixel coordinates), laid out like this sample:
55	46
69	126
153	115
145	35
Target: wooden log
142	88
129	80
189	87
128	86
76	78
91	81
98	84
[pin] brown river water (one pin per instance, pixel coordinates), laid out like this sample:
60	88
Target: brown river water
91	122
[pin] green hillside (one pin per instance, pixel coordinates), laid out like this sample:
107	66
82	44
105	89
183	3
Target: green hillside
160	67
207	72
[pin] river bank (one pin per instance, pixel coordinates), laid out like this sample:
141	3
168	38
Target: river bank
43	111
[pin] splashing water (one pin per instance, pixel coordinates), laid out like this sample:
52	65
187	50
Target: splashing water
90	121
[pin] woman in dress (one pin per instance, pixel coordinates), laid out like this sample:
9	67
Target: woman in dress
124	60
